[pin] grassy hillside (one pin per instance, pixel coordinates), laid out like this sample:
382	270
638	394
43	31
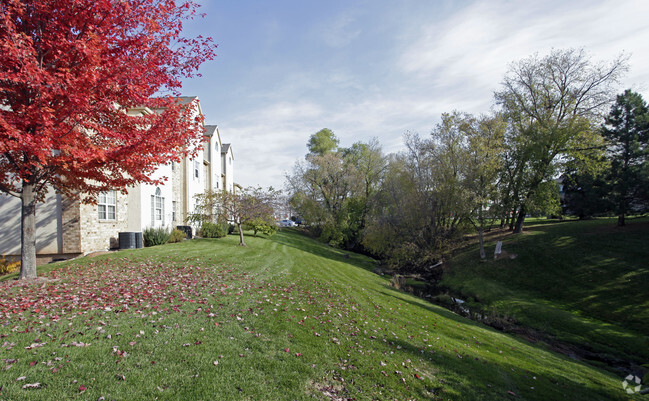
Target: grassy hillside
585	283
284	318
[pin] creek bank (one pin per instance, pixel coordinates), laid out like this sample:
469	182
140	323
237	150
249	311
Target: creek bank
428	289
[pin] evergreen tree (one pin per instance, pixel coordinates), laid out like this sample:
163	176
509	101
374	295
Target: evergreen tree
626	131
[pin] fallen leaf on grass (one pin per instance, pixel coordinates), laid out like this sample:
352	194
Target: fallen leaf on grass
32	385
21	378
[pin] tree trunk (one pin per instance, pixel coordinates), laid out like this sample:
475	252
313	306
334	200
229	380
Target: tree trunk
241	241
483	255
28	233
519	221
620	220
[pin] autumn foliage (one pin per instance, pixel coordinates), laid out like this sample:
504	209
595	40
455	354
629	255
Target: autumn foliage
88	93
68	71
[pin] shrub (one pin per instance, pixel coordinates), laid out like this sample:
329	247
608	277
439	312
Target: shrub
7	266
155	236
177	235
261	226
211	230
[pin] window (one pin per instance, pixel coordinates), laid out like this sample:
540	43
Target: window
230	160
173	166
107	205
173	210
196	169
157	207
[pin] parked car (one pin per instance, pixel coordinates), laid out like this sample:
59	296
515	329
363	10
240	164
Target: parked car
287	223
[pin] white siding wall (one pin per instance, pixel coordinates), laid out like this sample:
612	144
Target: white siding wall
48	225
215	162
228	169
149	217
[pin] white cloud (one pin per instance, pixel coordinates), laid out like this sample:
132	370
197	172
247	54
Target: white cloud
478	42
432	65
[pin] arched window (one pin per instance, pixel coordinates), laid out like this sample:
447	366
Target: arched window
157	207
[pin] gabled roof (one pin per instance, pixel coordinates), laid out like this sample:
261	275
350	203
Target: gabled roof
186	99
227	147
209	130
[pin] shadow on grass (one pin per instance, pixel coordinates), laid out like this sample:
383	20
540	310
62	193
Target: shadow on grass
467	370
297	239
580	274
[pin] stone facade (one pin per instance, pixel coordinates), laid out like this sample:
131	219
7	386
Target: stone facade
71	220
102	235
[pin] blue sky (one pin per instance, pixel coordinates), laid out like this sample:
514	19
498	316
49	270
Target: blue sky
378	68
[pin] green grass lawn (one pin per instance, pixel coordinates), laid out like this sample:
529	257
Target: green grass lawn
284	318
582	282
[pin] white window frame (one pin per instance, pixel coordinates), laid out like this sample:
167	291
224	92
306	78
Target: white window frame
157	207
197	170
107	206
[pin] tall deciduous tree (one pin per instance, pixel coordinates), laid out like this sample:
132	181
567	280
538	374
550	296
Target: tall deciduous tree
323	142
333	189
551	102
626	132
484	149
69	71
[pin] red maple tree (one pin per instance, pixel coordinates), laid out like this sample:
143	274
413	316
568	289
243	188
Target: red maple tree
70	70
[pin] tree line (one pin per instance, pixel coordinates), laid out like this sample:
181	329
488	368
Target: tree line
549	129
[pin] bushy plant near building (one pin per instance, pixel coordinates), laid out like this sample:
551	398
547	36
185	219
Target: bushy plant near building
176	236
213	230
7	265
155	236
